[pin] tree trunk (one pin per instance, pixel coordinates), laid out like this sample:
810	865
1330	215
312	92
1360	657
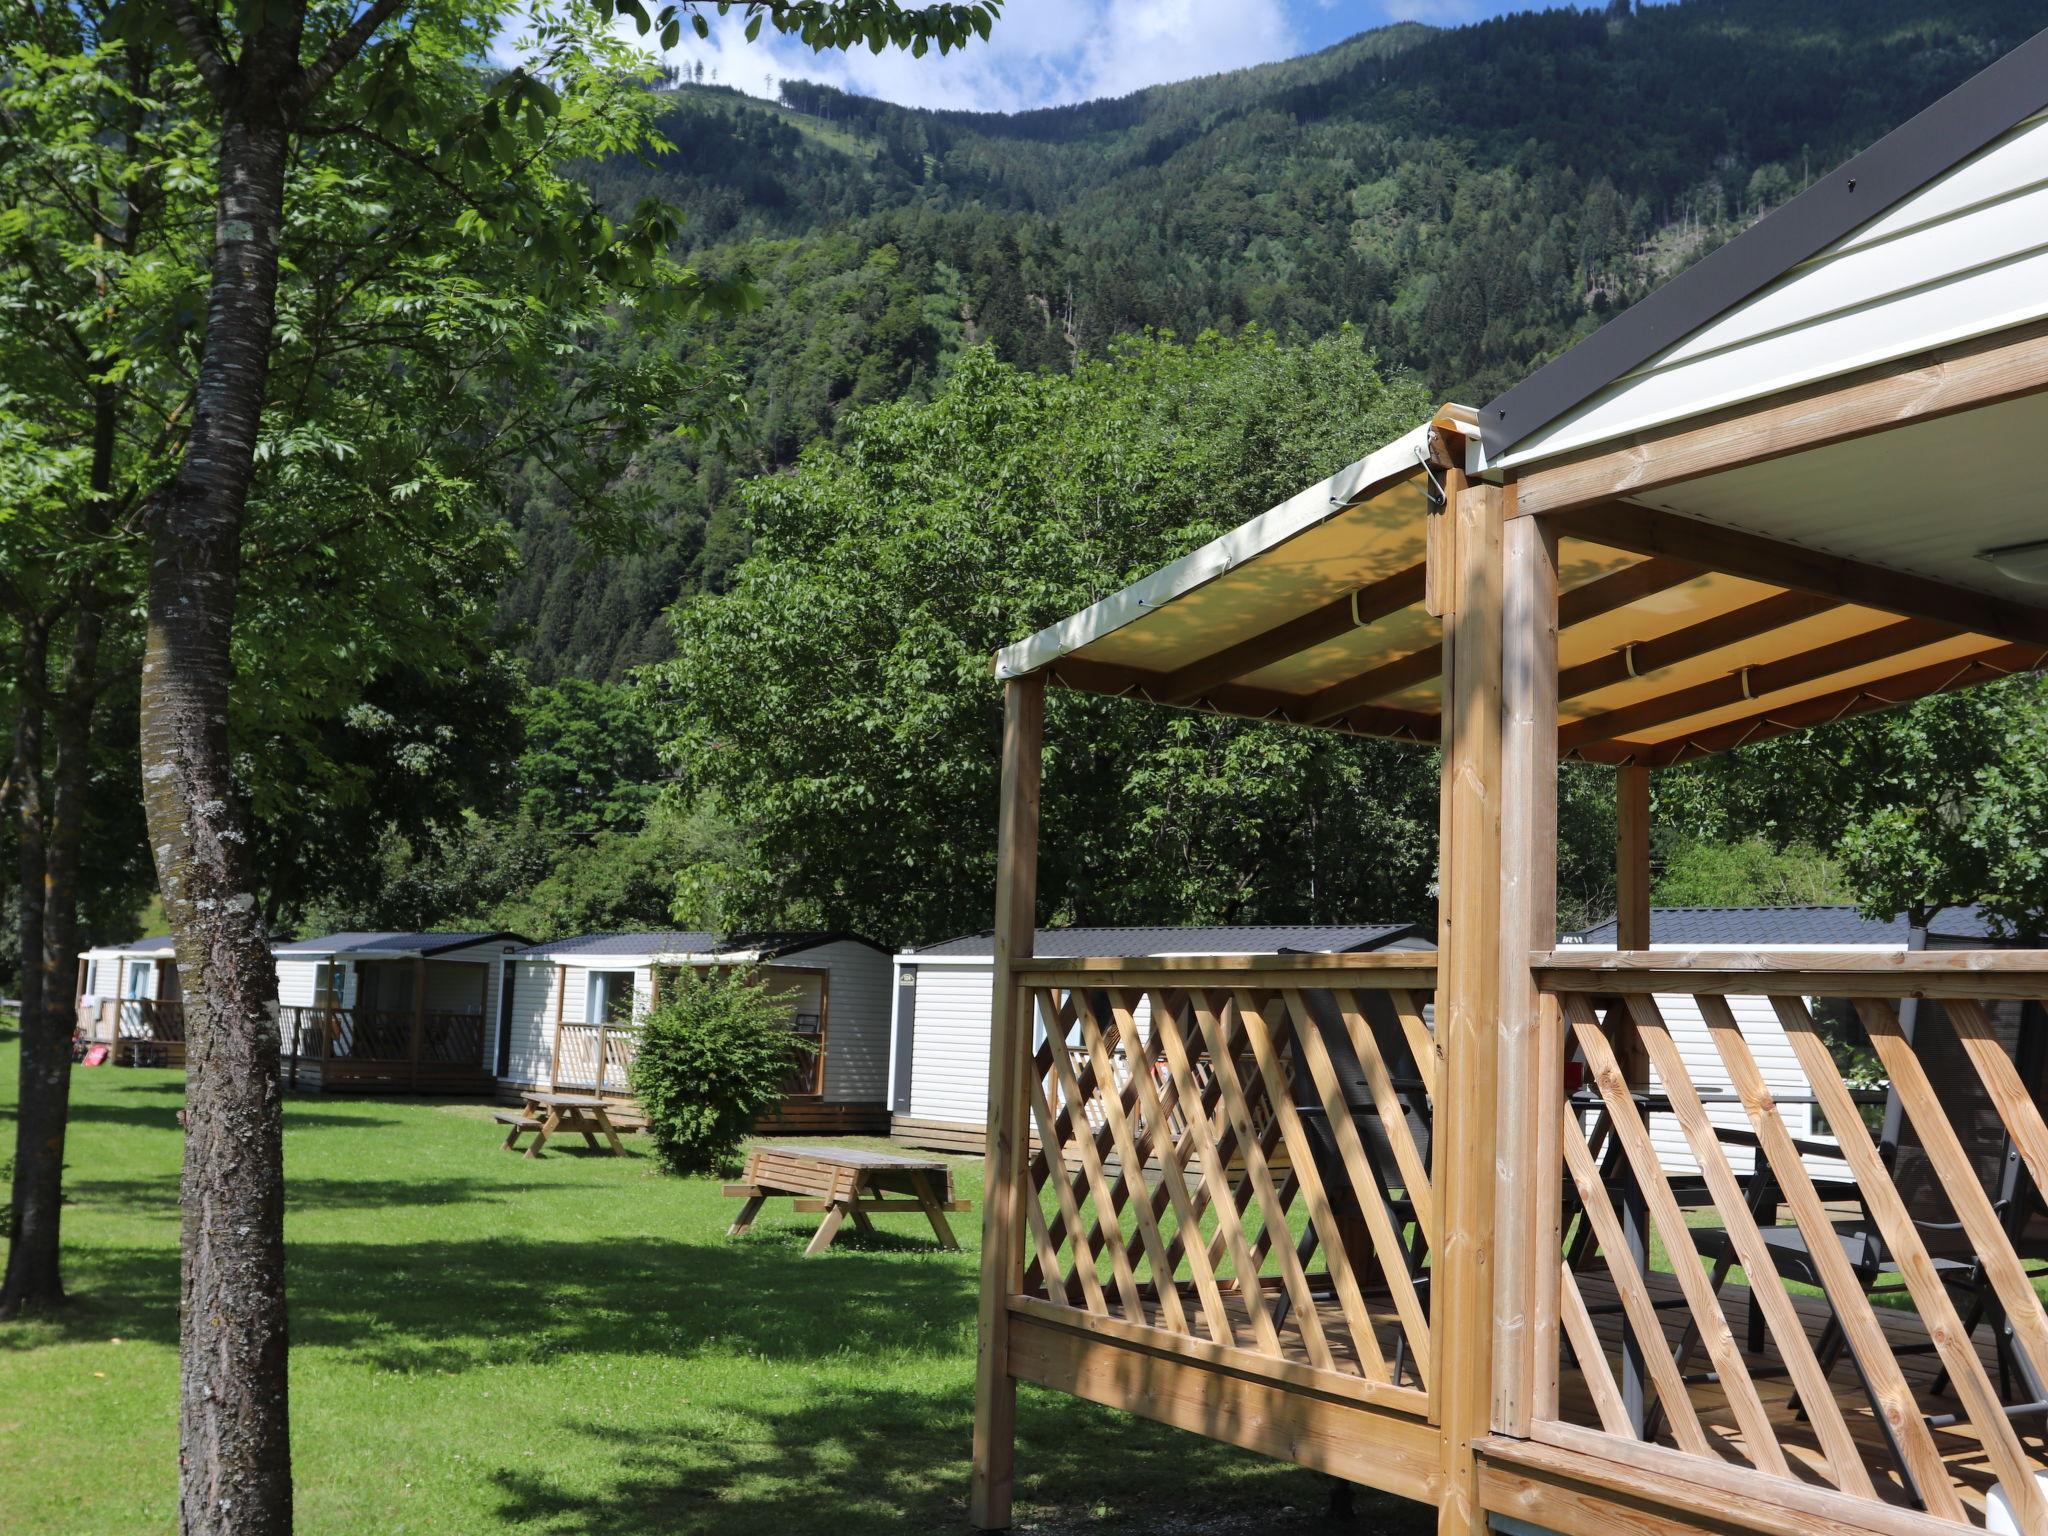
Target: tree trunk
235	1447
32	1278
49	933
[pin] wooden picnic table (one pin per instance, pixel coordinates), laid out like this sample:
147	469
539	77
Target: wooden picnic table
548	1114
843	1182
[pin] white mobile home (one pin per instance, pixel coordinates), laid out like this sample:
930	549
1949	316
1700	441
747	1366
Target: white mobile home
575	1006
938	1062
128	1000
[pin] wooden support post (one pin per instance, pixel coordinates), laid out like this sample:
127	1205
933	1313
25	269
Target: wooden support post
1009	1056
1632	895
1468	1000
561	998
1526	1235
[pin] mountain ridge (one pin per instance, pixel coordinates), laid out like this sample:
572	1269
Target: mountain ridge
1471	199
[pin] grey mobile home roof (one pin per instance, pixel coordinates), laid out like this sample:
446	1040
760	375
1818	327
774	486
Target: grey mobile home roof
1958	125
1138	943
1830	926
768	943
408	943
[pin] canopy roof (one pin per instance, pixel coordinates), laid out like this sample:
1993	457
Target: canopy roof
1774	483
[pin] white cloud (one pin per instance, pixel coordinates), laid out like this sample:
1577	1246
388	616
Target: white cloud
1041	53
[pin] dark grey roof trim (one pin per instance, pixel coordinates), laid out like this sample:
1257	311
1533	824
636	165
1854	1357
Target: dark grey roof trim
1810	925
769	944
425	945
1140	943
1986	105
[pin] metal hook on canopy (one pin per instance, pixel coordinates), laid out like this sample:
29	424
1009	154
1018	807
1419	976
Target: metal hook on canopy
1437	496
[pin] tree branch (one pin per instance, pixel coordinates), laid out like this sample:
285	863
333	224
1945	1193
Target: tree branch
339	55
203	45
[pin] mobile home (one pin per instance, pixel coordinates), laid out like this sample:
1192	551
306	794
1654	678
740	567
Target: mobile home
575	1007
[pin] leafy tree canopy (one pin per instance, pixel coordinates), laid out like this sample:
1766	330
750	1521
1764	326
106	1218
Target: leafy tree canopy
837	699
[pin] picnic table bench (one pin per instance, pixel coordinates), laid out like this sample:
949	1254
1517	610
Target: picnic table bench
843	1182
549	1114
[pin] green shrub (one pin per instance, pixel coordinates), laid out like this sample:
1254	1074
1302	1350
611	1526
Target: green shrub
712	1058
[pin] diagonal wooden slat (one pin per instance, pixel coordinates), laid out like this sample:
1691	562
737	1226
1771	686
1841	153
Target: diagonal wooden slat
1766	1290
1184	1215
1083	1273
1056	1017
1890	1395
1180	1150
1974	1389
1048	1266
1106	1210
1094	1092
1759	1438
1421	1043
1322	1216
1400	1135
1215	1177
1132	1159
1224	1133
1365	1188
1959	1179
1259	1175
2016	1108
1593	1366
1628	1286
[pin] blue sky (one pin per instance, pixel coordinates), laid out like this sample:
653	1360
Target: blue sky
1046	52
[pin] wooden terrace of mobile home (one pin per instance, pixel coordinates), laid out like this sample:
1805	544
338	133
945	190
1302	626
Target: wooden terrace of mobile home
1399	1217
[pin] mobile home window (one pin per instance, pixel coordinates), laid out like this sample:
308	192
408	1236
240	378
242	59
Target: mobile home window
611	998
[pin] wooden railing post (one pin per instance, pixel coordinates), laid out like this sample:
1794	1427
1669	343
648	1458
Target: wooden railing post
1531	1044
1468	993
1005	1162
419	1015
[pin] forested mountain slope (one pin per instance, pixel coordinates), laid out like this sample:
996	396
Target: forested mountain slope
1471	200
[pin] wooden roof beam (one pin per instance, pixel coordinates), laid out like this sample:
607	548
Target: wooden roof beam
1354	610
1647	531
1588	601
1754	682
1647	656
1864	699
1119	681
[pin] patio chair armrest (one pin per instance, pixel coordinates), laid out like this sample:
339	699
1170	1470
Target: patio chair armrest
1805	1146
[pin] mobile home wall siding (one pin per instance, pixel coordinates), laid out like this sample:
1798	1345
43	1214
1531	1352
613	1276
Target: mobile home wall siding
857	1020
948	1070
532	1024
949	1061
1964	256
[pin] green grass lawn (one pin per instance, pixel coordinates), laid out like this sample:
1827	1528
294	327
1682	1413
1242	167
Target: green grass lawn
483	1343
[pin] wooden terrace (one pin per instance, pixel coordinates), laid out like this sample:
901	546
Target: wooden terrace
1402	1218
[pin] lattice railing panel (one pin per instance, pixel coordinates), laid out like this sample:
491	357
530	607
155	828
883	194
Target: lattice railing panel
1882	1336
580	1050
1245	1165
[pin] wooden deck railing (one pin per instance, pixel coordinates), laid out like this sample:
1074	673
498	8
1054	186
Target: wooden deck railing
382	1044
1232	1161
595	1057
1887	1348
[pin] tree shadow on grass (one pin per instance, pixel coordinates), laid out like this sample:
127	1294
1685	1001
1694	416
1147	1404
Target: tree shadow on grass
142	1197
456	1305
889	1462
